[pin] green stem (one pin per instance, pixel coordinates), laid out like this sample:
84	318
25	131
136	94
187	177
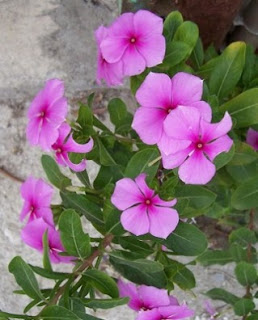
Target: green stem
16	316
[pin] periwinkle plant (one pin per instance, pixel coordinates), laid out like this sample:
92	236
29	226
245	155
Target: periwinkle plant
183	148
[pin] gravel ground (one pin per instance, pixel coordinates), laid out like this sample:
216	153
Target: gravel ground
40	40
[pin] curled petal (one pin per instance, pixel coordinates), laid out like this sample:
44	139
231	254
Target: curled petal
162	221
212	131
126	194
197	169
162	203
63	131
222	144
135	220
72	146
75	167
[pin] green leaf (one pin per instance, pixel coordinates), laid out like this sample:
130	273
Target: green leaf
112	219
199	197
246	195
25	277
176	52
223	158
205	70
211	257
223	295
197	56
53	173
243	173
75	241
104	303
118	111
49	274
246	273
140	271
187	32
186	240
57	313
84	178
243	307
83	206
244	154
172	22
133	244
210	53
140	163
85	116
102	282
249	68
243	108
46	260
227	72
184	278
104	156
242	236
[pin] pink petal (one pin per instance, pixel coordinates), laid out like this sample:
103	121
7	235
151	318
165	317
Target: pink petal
147	23
75	167
153	297
152	49
186	89
38	104
72	146
113	48
33	232
176	312
211	131
169	145
130	290
43	193
60	159
63	132
148	123
162	203
126	194
183	123
112	73
47	215
54	240
57	112
197	169
135	220
48	135
25	210
174	160
28	188
204	109
149	315
123	26
222	144
173	301
134	63
142	185
162	221
54	89
155	91
252	138
33	130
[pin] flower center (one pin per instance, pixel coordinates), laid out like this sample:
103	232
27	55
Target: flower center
169	110
42	114
199	145
133	40
148	202
58	150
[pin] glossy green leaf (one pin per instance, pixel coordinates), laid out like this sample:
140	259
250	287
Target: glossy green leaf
53	173
211	257
176	52
223	295
75	241
197	55
102	282
104	303
244	154
243	307
104	155
49	274
228	71
246	195
246	273
187	32
117	110
186	240
242	173
249	67
25	277
243	108
140	163
133	244
184	278
223	158
57	313
85	116
172	22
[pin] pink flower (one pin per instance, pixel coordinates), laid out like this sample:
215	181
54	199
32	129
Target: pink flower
252	138
210	309
143	211
112	73
32	235
63	145
159	96
143	297
135	39
166	313
37	199
199	142
153	303
46	113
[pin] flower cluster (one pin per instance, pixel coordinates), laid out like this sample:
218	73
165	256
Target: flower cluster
37	198
140	203
48	129
153	303
173	116
133	42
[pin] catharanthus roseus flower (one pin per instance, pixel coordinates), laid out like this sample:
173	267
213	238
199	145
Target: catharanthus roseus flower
152	303
159	96
112	73
135	39
252	138
199	143
143	210
65	144
32	235
46	113
37	199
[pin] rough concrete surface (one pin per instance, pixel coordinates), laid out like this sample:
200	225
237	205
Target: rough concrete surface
40	40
